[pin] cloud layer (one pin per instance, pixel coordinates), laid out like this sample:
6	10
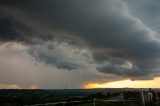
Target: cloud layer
108	36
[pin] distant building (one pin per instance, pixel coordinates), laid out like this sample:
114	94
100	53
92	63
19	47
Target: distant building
150	96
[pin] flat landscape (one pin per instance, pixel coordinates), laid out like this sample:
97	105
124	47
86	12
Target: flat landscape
71	97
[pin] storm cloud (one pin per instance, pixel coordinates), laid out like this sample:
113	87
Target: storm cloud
108	35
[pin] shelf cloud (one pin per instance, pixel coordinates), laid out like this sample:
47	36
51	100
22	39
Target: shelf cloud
109	36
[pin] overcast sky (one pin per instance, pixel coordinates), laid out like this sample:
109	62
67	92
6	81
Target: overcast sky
70	43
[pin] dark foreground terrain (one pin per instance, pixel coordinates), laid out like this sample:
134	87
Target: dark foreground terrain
73	97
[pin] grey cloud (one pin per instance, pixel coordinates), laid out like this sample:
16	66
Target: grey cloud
63	54
124	68
105	24
147	11
13	30
16	27
18	67
8	31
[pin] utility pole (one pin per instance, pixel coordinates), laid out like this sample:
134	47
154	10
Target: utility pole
94	102
143	100
124	101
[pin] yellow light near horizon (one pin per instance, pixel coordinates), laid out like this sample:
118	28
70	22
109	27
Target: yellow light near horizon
33	87
127	84
9	86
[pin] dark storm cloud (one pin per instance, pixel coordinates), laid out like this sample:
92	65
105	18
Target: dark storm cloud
8	31
15	27
12	30
146	10
105	24
127	69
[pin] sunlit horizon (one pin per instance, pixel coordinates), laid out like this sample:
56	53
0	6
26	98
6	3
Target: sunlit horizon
126	84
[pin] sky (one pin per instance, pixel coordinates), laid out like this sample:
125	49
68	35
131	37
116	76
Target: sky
64	44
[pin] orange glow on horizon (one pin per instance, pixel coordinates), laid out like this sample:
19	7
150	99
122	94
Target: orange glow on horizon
33	87
9	86
155	83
